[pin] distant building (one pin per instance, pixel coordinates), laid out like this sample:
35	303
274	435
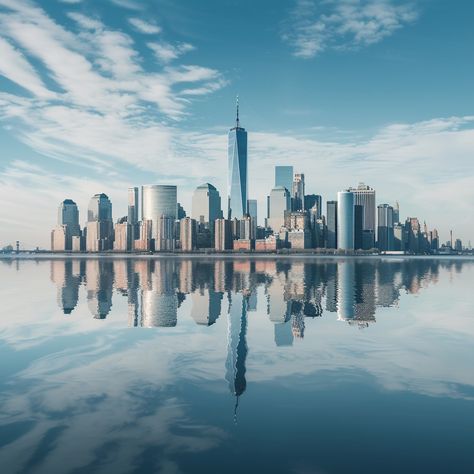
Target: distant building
398	237
331	223
237	187
385	235
243	245
269	244
160	202
298	192
345	220
123	235
223	235
187	234
358	227
314	201
284	177
365	196
100	227
279	203
59	239
165	238
458	245
133	215
146	242
206	204
253	213
67	228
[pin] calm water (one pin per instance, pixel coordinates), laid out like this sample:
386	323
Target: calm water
229	366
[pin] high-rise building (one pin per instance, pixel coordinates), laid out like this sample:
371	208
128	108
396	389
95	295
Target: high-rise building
399	237
331	223
123	235
237	179
206	204
345	220
458	245
396	213
67	228
187	234
165	239
279	203
223	234
358	226
284	177
132	215
314	201
365	196
385	235
298	192
100	227
159	201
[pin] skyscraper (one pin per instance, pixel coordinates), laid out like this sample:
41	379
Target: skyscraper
314	200
237	179
187	234
159	201
298	192
385	235
331	214
132	215
100	227
67	228
206	204
365	196
345	220
358	224
284	177
279	203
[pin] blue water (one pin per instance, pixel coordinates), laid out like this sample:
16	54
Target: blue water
296	365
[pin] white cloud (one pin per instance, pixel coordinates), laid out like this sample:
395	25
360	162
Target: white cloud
344	24
144	27
166	52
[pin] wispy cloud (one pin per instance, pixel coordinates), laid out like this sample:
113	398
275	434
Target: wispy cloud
166	52
144	27
344	24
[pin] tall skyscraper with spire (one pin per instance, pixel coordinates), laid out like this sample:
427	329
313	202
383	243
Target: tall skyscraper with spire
237	179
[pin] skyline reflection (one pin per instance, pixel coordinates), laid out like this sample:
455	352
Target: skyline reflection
294	290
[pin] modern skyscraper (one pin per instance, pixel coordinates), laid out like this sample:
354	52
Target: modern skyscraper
132	215
206	204
385	235
365	196
345	220
223	234
314	200
298	192
67	228
331	214
187	234
396	213
358	224
284	177
279	204
159	201
237	179
100	227
123	235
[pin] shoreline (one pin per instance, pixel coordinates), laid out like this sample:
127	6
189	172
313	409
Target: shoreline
230	256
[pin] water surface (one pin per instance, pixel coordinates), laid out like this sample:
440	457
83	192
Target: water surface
296	365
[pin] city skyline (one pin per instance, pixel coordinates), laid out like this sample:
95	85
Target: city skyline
85	131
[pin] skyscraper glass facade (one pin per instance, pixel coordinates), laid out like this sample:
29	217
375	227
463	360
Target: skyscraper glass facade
237	184
284	177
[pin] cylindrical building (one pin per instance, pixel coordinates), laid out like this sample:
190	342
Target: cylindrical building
345	220
158	200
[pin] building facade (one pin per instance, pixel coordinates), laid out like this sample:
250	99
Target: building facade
345	220
237	184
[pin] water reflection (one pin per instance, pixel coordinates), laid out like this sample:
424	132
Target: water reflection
294	290
271	343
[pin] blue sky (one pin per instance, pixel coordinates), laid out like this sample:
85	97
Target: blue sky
96	96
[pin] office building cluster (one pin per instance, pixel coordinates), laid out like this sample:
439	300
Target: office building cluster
295	220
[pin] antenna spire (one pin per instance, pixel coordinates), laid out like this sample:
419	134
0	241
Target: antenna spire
237	123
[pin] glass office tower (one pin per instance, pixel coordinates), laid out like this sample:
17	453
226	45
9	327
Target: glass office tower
345	220
237	179
284	177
